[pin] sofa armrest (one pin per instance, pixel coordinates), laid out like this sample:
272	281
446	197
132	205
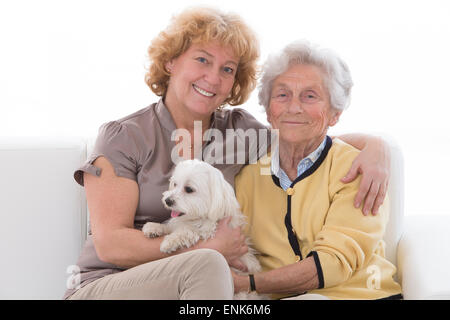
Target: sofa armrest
424	257
43	215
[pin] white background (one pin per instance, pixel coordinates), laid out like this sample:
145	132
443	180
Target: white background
66	67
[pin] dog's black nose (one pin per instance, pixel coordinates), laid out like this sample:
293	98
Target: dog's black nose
169	202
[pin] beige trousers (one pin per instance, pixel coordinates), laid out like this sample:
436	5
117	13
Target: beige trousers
195	275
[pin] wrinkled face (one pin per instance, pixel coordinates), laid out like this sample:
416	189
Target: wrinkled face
201	78
300	105
191	190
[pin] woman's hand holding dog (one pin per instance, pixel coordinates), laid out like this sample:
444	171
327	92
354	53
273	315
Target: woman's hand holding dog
229	242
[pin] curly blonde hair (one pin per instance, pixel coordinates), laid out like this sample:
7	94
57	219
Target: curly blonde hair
203	25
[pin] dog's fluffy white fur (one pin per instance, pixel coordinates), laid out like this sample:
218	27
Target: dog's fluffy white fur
199	196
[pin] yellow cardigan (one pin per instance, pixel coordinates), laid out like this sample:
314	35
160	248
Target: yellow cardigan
318	211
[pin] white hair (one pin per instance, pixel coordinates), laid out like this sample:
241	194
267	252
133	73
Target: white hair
338	80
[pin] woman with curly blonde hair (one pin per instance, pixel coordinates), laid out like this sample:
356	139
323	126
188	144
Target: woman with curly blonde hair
202	61
201	26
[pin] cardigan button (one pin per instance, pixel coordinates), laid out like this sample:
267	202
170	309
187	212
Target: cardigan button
297	258
290	191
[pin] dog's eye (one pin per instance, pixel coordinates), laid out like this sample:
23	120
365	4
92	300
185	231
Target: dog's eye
188	189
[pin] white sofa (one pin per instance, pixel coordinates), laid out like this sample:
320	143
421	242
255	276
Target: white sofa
44	223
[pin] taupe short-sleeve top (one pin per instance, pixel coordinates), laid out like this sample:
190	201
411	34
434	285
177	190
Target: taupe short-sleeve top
139	147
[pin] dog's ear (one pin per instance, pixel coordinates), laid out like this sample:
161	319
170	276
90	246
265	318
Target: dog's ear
223	202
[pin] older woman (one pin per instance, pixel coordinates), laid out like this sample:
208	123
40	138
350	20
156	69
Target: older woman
203	60
301	217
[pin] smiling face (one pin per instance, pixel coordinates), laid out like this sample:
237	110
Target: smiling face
300	106
201	79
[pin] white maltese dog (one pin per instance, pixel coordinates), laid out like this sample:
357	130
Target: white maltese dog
199	197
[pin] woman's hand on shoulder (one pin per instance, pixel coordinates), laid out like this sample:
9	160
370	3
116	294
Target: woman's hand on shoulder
373	163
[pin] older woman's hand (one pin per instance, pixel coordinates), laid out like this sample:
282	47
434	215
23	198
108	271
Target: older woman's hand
374	164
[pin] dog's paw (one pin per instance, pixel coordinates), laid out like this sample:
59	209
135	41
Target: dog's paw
152	229
251	262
